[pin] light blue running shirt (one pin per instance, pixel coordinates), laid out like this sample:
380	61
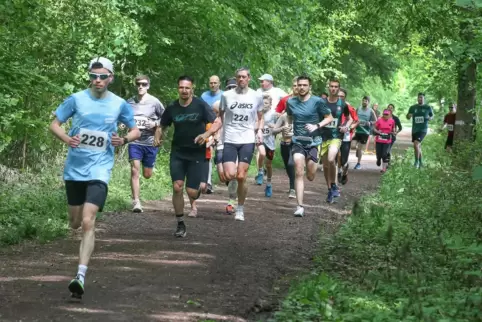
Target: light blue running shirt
94	120
209	98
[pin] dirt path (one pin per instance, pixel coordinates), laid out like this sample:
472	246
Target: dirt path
139	272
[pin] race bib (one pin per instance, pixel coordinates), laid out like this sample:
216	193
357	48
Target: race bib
419	119
93	140
450	127
333	124
347	137
384	136
240	118
141	121
266	131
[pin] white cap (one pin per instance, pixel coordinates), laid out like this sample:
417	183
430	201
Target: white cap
267	77
107	64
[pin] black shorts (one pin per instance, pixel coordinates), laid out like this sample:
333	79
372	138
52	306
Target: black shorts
238	152
269	153
193	172
218	158
80	192
360	137
309	152
418	136
449	142
345	152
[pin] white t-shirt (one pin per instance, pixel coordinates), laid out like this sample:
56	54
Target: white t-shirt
240	115
276	94
268	136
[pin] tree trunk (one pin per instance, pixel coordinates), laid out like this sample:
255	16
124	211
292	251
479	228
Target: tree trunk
467	81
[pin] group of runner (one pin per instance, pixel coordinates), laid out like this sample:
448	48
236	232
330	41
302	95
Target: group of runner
234	122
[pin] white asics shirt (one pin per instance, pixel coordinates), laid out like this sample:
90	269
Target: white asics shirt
240	115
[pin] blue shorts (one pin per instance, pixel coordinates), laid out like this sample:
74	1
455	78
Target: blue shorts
145	154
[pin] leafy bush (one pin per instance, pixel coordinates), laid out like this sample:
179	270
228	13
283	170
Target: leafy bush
410	251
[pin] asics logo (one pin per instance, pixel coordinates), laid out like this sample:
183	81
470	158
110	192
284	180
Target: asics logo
241	105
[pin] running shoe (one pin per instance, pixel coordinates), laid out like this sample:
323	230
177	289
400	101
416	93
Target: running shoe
259	179
136	206
268	191
357	166
76	287
292	194
300	211
335	191
239	215
181	229
209	189
229	210
330	198
379	162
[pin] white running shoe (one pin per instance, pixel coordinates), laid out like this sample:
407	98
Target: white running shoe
239	215
300	211
136	206
292	194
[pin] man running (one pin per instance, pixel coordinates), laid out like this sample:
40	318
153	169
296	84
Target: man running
449	123
267	148
210	97
398	129
347	137
240	109
95	112
331	138
267	87
367	119
147	114
190	116
214	93
307	114
232	184
420	114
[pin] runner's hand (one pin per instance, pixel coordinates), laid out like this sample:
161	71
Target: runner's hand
150	124
343	129
311	127
74	141
201	138
116	140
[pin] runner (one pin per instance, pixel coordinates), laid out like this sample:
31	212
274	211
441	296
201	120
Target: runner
267	87
324	95
371	137
384	130
211	96
190	116
331	134
347	137
240	109
449	123
232	184
95	112
398	129
147	114
307	114
282	103
367	119
421	114
267	148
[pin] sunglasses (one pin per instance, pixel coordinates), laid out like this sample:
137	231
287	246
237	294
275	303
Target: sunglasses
94	76
142	84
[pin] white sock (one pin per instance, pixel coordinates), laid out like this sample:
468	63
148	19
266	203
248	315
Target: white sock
81	273
240	208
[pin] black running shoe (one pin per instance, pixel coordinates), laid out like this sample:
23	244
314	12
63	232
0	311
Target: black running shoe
344	179
76	287
181	229
339	176
209	189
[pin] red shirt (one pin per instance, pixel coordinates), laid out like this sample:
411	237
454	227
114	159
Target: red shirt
385	127
353	115
282	104
450	120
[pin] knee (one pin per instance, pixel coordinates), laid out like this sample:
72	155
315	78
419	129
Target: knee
147	173
194	194
134	172
241	175
88	222
177	187
299	171
74	223
310	176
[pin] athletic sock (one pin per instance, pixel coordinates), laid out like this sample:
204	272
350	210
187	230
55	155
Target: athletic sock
231	202
240	208
260	171
81	273
180	218
268	181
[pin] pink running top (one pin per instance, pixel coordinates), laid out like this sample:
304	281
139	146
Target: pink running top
386	127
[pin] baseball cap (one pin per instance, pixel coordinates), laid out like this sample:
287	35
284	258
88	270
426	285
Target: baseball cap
231	83
107	64
267	77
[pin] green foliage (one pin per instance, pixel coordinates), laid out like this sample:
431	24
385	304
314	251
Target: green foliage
34	206
409	252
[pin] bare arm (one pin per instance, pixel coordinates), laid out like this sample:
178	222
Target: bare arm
278	127
59	132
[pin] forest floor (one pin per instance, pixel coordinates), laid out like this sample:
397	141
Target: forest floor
223	270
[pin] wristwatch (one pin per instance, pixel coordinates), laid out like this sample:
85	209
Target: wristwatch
125	140
318	125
